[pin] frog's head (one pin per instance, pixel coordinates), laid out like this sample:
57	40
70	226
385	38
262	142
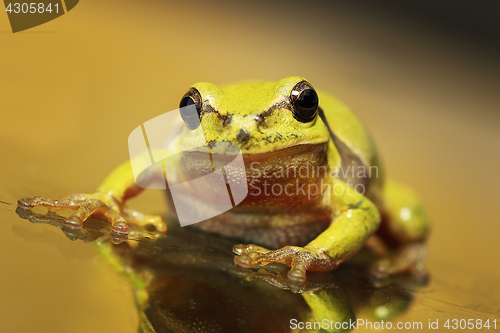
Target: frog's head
257	117
276	126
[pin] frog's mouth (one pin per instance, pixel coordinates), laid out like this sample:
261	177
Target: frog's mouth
232	149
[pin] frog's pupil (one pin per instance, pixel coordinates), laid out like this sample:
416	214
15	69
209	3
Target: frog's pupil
186	101
308	99
189	112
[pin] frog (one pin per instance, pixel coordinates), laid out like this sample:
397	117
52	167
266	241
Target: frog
317	192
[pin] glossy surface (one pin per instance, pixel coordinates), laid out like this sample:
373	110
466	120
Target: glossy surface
429	92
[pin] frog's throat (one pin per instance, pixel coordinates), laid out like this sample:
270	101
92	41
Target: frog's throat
302	155
295	169
291	159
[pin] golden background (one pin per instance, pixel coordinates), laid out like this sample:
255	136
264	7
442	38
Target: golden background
73	89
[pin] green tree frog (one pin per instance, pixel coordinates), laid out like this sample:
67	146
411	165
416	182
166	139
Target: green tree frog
316	193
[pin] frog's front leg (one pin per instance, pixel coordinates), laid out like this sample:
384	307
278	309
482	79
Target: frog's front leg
107	203
356	220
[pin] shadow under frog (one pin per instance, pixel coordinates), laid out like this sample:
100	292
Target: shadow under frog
187	282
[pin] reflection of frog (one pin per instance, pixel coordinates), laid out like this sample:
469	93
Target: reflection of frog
314	218
189	282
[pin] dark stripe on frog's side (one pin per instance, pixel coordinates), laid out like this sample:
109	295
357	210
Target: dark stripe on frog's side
207	108
349	159
225	119
281	104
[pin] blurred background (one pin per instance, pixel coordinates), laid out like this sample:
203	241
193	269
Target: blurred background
423	76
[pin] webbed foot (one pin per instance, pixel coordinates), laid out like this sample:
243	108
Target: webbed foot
100	205
299	259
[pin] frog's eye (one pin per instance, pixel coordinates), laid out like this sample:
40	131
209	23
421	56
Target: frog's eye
305	102
190	109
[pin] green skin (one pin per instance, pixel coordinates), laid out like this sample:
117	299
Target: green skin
273	134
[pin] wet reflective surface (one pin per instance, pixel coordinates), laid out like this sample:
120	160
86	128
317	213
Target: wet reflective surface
187	282
72	91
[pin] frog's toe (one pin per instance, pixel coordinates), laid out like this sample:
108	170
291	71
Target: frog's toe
248	255
120	226
26	203
297	273
241	249
244	261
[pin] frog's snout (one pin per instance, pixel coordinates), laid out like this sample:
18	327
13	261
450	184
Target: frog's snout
243	135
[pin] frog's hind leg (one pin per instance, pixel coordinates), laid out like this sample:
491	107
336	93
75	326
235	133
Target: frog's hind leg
404	218
404	229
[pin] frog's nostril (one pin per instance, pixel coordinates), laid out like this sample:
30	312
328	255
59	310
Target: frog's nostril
243	135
